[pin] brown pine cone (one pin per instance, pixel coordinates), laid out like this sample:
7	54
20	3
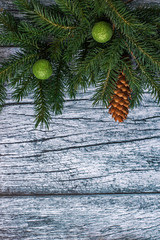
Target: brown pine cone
119	103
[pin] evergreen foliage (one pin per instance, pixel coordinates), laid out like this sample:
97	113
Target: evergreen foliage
61	33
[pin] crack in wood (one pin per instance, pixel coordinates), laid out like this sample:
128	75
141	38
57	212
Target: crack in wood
31	102
11	154
76	194
144	119
101	144
86	146
70	135
104	176
46	172
43	139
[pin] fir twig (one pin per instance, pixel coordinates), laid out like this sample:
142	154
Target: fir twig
10	68
3	95
151	80
42	113
51	22
8	22
23	5
56	89
62	34
145	52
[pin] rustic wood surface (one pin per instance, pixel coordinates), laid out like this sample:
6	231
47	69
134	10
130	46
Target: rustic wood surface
83	152
86	178
98	217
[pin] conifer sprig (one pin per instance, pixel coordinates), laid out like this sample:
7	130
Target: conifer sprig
22	85
78	9
41	106
150	80
135	82
105	86
146	52
62	34
49	21
15	62
3	95
121	17
23	5
18	40
8	21
56	89
110	66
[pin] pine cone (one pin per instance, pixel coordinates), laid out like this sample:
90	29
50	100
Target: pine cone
119	104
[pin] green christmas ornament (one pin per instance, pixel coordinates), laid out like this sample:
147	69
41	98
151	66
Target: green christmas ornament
102	32
42	69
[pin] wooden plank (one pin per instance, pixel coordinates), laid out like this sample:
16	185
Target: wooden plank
84	151
5	52
99	217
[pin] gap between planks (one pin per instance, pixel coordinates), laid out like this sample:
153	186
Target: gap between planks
77	194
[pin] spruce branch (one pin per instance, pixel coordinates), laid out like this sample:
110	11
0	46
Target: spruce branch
23	5
30	31
75	8
67	6
56	88
55	49
42	113
145	52
15	62
149	14
22	83
3	95
98	6
50	21
124	19
76	38
121	17
105	85
8	21
152	80
135	82
22	90
110	66
91	61
62	34
82	10
19	40
71	85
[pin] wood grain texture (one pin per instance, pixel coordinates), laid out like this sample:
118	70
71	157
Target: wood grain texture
99	217
69	182
84	151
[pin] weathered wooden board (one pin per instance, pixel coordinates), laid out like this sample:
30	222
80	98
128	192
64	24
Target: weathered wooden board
84	151
61	183
5	52
99	217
